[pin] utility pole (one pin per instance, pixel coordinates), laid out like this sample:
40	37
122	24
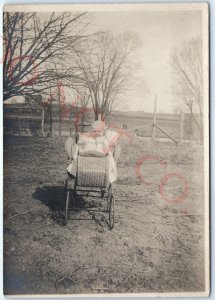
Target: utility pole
154	118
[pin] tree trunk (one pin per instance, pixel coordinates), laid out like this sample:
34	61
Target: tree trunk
42	121
201	129
82	122
191	124
50	118
59	119
96	113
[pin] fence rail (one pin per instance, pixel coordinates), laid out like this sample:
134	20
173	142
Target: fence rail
36	120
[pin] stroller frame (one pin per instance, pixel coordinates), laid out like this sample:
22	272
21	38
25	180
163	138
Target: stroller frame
85	183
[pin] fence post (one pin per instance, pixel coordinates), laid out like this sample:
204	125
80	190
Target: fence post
154	118
181	126
70	126
19	126
42	121
76	133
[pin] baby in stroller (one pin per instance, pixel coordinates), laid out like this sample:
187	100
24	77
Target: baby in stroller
99	142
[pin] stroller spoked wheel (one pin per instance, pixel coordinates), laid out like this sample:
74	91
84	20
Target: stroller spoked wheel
111	204
70	197
109	193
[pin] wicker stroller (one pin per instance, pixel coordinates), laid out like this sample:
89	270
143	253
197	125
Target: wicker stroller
92	177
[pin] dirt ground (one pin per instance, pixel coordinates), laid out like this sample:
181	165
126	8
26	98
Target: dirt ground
155	246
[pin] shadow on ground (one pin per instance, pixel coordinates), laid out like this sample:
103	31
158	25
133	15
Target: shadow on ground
54	197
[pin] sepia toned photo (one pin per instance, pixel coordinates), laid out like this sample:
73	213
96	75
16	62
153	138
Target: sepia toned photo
106	150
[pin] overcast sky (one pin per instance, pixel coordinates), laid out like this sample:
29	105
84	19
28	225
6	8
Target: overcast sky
160	32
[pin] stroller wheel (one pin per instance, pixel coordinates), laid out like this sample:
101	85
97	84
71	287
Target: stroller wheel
111	212
67	207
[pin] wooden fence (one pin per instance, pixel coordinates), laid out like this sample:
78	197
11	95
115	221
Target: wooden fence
25	120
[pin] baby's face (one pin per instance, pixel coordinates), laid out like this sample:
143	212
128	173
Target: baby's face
99	133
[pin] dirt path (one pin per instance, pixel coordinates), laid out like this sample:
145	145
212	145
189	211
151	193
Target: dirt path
155	246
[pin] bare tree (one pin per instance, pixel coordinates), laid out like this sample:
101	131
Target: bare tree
32	42
105	69
187	65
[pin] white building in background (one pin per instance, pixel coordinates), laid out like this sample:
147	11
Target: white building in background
15	99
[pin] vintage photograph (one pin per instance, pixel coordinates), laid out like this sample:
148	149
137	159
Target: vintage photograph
106	150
